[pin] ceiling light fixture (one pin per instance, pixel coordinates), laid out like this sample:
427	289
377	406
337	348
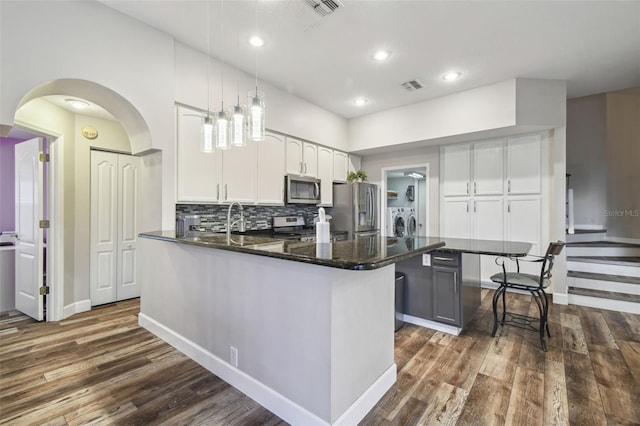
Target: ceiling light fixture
381	55
206	130
256	102
360	101
452	76
414	175
256	41
77	103
222	121
237	127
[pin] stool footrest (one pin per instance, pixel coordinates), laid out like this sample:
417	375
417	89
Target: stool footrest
522	321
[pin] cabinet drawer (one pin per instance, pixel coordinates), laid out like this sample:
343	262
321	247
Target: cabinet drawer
445	259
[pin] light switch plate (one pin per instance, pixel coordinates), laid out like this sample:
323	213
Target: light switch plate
426	260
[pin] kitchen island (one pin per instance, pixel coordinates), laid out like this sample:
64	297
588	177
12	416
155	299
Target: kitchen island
304	329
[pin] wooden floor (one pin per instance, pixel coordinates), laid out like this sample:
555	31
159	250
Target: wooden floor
100	367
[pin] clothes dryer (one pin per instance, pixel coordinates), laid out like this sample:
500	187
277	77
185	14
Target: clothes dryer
396	222
411	223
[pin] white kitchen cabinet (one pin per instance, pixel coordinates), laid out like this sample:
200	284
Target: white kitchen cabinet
198	175
325	174
488	167
302	158
239	173
488	224
340	166
524	164
523	220
456	170
271	167
355	163
456	218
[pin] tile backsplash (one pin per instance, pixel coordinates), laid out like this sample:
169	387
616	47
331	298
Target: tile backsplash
213	218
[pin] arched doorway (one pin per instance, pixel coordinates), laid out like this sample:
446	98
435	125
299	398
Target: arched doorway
69	183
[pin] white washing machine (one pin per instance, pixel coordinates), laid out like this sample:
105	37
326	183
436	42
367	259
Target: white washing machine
396	222
410	222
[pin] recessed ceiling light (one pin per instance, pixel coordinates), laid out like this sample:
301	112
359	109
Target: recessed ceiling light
381	55
256	41
452	76
77	103
360	101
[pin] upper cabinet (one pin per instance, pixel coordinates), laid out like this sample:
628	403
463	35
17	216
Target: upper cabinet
302	158
488	167
325	174
239	173
340	166
271	167
199	175
456	169
524	164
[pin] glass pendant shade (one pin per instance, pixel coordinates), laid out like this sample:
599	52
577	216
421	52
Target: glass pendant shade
237	127
256	116
206	139
222	131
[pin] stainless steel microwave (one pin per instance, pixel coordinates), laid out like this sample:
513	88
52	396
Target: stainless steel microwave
302	190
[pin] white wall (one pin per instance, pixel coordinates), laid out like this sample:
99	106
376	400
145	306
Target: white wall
285	113
587	159
511	107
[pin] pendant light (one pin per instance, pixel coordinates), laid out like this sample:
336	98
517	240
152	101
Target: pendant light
238	128
222	121
206	131
256	103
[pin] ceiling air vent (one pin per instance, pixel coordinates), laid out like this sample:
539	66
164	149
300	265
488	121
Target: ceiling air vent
324	7
412	85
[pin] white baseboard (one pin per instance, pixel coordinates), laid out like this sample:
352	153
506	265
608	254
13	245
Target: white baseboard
76	308
275	402
587	227
560	299
450	329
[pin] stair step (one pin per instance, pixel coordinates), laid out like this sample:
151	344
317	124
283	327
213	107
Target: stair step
605	294
624	266
604	282
603	248
586	235
604	300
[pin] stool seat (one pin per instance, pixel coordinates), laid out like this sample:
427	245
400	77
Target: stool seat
534	284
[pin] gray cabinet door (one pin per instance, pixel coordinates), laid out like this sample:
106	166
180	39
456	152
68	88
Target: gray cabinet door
418	289
446	295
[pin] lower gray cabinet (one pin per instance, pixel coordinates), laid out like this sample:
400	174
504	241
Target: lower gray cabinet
448	291
446	302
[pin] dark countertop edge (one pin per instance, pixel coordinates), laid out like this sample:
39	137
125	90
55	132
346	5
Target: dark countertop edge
333	263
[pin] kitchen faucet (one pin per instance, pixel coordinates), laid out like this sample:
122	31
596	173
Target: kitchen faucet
240	222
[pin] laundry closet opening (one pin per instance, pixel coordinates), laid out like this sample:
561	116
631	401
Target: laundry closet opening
404	201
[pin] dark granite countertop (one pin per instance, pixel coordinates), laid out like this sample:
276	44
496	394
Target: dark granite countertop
360	254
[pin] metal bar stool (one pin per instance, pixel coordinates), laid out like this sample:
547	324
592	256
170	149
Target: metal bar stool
528	282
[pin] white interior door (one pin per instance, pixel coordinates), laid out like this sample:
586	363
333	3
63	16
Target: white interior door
127	286
104	222
29	244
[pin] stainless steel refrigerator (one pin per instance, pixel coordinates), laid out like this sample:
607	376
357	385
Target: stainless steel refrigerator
355	209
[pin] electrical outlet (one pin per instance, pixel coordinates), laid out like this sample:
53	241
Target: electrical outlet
426	260
233	356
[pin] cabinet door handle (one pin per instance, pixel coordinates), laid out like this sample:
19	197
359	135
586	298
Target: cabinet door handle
445	259
467	187
301	167
217	192
475	187
509	207
509	185
467	207
474	206
305	168
225	192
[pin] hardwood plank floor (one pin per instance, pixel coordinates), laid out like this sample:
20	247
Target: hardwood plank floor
100	367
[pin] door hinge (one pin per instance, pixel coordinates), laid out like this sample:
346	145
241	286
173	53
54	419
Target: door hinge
44	158
44	224
44	290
